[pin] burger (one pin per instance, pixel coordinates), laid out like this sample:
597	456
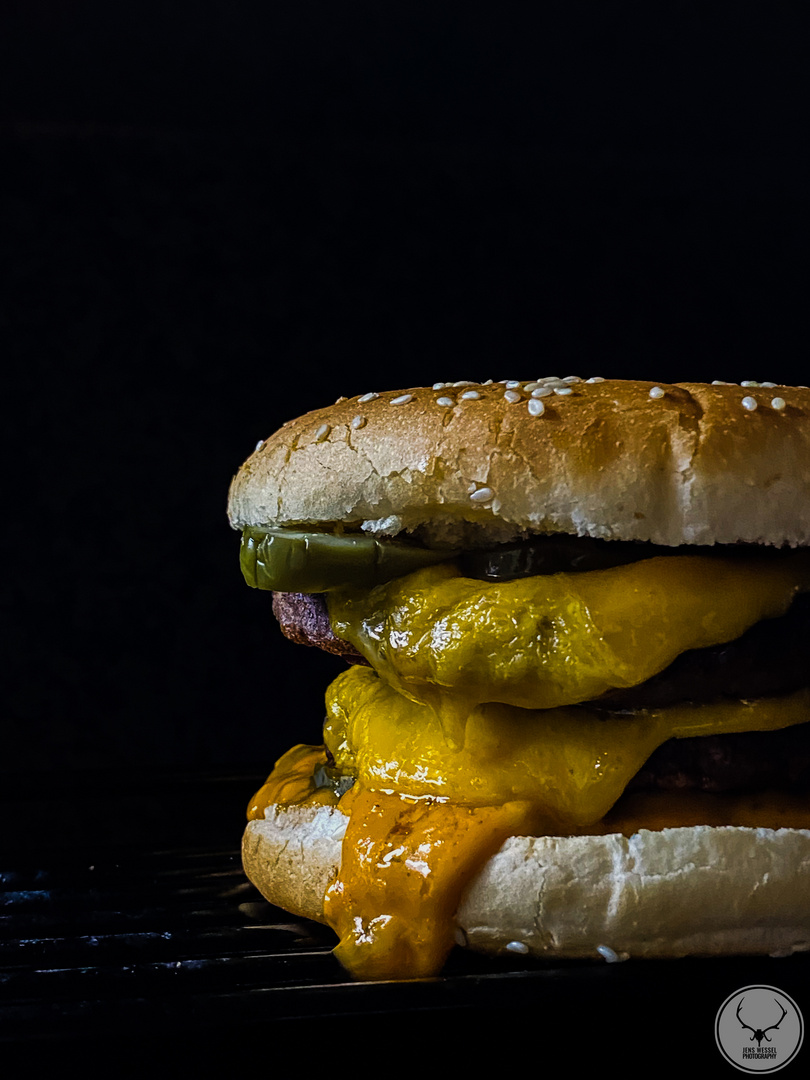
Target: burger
574	718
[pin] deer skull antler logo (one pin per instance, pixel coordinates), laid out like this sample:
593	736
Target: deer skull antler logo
761	1033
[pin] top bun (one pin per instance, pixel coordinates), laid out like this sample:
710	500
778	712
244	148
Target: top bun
683	463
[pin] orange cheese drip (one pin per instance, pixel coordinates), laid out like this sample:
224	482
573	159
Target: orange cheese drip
407	860
292	781
468	728
405	864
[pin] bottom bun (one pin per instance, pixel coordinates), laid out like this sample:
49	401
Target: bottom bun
692	891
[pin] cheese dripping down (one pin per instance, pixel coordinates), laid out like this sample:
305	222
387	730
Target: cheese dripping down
407	859
458	743
555	640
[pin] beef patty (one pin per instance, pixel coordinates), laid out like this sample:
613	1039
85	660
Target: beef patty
304	619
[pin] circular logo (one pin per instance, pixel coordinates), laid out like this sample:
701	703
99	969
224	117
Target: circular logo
759	1029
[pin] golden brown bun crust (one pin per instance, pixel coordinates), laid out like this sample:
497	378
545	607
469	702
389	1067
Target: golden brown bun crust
683	463
699	891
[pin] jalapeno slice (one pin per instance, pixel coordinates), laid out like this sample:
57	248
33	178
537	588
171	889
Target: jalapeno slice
291	560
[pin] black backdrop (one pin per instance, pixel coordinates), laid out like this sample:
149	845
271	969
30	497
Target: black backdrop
218	216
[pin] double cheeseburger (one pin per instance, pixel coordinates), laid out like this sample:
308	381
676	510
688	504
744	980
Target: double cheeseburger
574	719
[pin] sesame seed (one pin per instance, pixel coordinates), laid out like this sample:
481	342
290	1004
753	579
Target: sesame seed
572	379
464	382
595	378
512	396
402	399
322	432
563	391
542	391
517	947
768	385
448	401
656	392
367	397
483	494
749	382
778	403
259	445
470	395
513	384
536	407
487	383
609	954
749	403
358	422
439	385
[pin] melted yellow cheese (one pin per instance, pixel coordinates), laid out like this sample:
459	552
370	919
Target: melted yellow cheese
292	781
407	857
572	763
543	642
406	861
469	731
405	864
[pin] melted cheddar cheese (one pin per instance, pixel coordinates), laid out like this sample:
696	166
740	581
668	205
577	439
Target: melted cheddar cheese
572	764
408	858
405	865
466	730
547	641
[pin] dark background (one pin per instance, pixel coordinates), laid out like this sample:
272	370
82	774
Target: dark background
217	216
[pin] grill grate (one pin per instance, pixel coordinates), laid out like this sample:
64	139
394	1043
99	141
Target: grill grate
174	939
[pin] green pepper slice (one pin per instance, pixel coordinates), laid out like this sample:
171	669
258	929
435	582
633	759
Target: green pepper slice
291	560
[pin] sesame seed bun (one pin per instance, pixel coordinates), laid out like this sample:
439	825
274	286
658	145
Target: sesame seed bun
470	463
691	891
